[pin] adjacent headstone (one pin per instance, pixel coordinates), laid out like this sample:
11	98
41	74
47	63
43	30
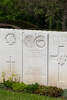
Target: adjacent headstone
58	59
35	57
10	52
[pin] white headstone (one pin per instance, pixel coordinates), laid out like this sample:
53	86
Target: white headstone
58	59
10	52
35	57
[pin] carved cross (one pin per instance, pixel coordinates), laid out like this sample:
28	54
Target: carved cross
10	61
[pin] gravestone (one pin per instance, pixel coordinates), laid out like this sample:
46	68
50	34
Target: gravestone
34	56
10	52
58	59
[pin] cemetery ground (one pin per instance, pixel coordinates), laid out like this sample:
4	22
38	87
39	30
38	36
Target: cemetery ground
9	95
17	92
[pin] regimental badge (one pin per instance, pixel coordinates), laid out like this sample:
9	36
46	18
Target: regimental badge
10	38
40	41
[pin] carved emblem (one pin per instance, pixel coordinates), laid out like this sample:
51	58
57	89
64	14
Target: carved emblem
40	41
62	59
29	41
10	38
10	62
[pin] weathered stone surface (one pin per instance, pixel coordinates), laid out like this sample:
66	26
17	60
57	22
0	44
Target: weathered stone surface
35	56
10	52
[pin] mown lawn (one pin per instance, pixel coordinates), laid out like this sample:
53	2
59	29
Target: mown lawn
8	95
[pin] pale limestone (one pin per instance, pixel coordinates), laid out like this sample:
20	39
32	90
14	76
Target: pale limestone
34	56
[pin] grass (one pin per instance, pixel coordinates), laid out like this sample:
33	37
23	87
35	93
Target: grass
8	95
65	93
